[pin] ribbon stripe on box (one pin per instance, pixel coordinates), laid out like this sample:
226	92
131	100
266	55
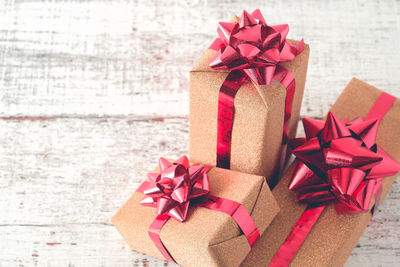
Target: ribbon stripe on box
253	50
340	163
180	185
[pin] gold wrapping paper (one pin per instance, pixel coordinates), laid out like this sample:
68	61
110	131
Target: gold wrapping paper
207	237
334	236
258	119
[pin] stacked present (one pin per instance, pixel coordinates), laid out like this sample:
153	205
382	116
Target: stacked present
232	204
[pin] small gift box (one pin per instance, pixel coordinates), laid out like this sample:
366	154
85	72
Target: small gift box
196	215
343	169
245	96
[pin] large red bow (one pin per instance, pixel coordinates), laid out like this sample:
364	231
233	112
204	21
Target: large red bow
340	162
253	46
171	190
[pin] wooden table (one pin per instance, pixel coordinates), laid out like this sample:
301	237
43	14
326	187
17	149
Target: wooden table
93	92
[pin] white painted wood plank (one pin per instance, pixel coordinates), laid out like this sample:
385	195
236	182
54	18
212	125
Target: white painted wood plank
113	58
69	245
62	179
79	170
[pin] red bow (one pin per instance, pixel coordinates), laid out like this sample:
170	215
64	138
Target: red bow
253	46
171	190
340	162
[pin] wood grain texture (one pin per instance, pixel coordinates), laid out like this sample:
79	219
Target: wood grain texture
93	92
95	57
61	183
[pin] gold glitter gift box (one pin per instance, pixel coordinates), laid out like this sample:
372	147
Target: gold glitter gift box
333	236
206	237
258	116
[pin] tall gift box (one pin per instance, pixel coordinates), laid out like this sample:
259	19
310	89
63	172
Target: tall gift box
245	96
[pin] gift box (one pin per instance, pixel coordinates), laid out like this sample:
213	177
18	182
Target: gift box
335	232
247	131
212	234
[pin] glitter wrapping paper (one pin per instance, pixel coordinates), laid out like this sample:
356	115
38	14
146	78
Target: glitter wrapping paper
333	236
258	116
206	237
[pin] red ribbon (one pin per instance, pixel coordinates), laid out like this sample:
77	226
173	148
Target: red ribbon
339	163
226	98
251	49
179	185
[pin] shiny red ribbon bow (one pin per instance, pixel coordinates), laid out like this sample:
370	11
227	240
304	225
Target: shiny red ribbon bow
253	46
340	163
172	190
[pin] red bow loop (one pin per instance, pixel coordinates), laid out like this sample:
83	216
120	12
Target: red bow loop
253	46
171	190
340	162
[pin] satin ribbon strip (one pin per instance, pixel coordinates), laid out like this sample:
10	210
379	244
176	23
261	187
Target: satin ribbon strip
305	223
234	209
156	226
296	237
378	111
226	97
381	107
154	233
238	213
286	78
